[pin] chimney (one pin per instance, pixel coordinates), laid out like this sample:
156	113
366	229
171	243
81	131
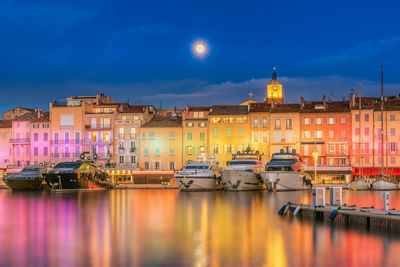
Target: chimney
302	102
324	97
39	112
353	99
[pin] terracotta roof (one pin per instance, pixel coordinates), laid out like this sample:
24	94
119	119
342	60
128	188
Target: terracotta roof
285	108
134	109
331	107
163	122
193	108
229	110
260	107
389	104
27	117
5	124
44	118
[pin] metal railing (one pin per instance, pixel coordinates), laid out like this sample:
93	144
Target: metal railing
20	140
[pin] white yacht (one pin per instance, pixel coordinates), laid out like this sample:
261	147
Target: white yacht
285	172
243	172
359	185
198	176
383	185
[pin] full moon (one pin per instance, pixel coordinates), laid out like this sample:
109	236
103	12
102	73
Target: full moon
200	48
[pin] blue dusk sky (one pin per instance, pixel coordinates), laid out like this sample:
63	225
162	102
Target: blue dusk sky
140	51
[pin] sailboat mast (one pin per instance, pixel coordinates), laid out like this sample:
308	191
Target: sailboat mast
359	127
382	146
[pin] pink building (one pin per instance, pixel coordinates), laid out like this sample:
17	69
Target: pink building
40	139
5	146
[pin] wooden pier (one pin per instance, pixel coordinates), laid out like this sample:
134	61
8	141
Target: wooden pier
347	215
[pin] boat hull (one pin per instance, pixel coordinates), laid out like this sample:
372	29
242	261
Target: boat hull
196	183
66	181
359	185
24	184
241	180
383	185
283	181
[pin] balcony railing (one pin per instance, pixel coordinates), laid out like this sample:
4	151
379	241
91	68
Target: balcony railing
20	140
121	149
97	127
98	142
67	155
132	136
121	136
66	142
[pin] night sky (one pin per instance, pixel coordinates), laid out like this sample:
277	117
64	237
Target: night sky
140	51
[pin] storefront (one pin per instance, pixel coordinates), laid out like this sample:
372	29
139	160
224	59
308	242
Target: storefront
373	173
330	175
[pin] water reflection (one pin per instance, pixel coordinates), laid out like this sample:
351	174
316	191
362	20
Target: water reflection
157	227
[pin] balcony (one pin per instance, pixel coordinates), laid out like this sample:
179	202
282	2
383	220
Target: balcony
96	142
121	136
132	136
97	127
132	149
104	156
121	149
66	142
20	140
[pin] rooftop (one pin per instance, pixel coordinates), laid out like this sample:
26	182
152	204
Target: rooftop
164	122
229	110
5	124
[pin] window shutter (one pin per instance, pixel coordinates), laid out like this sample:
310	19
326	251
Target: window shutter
186	150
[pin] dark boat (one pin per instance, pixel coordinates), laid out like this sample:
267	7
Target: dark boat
30	178
72	175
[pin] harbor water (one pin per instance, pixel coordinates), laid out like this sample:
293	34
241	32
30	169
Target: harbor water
167	227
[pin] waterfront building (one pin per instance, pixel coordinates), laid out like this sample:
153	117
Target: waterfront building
228	131
5	144
284	127
40	139
128	120
195	133
15	113
260	128
325	129
161	143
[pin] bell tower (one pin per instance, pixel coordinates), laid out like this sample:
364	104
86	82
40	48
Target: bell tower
274	90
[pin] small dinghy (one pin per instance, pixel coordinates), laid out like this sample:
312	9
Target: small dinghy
384	185
359	185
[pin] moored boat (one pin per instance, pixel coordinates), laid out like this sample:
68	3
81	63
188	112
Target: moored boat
359	185
30	178
383	185
197	176
243	172
285	172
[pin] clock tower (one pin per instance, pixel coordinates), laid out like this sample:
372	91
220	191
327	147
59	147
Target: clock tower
274	90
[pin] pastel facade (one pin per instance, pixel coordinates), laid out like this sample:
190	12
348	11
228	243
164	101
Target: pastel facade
260	129
228	131
5	144
161	144
127	125
195	133
40	140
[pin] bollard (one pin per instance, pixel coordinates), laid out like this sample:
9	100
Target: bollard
386	200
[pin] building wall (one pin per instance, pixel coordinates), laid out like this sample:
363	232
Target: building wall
260	133
363	149
285	136
163	150
228	134
20	141
40	142
5	147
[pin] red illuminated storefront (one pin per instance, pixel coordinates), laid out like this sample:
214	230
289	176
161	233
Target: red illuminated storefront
373	173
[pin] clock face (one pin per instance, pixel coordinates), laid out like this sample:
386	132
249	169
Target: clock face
275	88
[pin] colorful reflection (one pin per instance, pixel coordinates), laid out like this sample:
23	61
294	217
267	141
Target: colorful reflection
167	227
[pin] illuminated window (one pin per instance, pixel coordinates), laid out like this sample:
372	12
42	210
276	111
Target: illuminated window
157	151
343	148
202	136
216	149
171	136
241	119
216	120
228	132
189	150
172	165
331	120
288	123
331	162
277	124
241	132
215	132
318	134
189	124
228	149
255	123
331	133
172	151
307	134
202	124
307	121
318	121
124	117
190	136
146	165
265	122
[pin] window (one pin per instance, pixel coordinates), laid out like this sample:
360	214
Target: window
306	121
77	137
4	134
393	131
288	123
189	150
172	165
343	162
318	134
151	136
255	123
357	131
307	134
393	146
45	151
265	122
172	151
157	151
343	120
366	117
216	120
35	137
379	117
366	148
215	132
392	160
146	165
144	136
201	136
93	123
171	136
228	132
277	124
228	149
331	133
241	132
392	117
331	120
202	124
343	149
133	159
330	149
190	136
66	137
157	165
45	125
55	138
35	125
121	159
318	121
189	124
366	131
35	151
331	162
357	117
146	151
277	137
216	149
343	133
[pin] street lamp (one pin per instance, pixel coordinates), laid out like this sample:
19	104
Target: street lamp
315	156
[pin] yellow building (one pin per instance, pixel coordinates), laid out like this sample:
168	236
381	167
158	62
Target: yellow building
228	131
274	90
161	144
195	133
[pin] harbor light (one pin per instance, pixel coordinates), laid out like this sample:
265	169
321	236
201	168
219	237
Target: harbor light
315	156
